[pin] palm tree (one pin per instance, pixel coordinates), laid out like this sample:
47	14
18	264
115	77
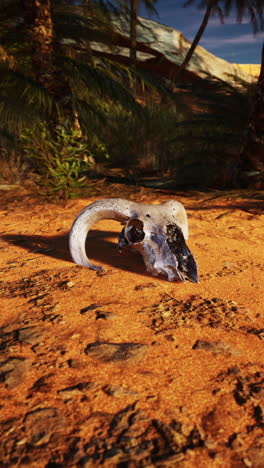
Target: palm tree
252	148
133	31
131	7
210	8
44	49
249	9
54	76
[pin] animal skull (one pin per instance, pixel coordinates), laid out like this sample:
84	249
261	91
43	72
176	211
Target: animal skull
158	232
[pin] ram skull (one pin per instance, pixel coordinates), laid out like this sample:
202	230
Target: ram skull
158	232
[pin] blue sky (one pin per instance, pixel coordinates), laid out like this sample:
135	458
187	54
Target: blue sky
231	41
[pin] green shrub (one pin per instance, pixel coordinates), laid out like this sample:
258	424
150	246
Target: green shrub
61	160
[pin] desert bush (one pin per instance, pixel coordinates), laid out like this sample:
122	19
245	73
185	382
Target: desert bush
60	160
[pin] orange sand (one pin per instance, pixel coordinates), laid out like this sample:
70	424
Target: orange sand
121	368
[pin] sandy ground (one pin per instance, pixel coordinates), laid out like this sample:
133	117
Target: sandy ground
121	369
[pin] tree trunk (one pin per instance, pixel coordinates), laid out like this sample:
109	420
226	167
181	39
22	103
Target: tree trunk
133	32
195	42
45	67
252	150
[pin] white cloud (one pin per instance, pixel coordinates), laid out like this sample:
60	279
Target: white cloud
218	42
215	21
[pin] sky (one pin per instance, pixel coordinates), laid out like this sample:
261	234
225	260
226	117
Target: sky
231	41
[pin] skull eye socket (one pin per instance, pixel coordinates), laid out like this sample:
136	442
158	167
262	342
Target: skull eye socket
134	231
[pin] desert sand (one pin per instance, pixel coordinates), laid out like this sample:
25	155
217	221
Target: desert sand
251	69
122	369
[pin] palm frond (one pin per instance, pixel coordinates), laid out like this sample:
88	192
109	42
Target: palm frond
7	139
101	83
23	101
26	88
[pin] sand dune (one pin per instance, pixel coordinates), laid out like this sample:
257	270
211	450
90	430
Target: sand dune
251	69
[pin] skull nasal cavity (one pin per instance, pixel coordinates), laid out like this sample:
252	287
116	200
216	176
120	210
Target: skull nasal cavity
134	231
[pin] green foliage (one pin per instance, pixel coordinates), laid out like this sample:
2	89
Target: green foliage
191	136
193	140
208	143
61	162
141	141
23	100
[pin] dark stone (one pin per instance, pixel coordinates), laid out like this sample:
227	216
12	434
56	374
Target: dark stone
29	335
100	314
75	363
144	286
41	385
256	453
41	424
118	391
88	308
115	351
215	347
76	389
12	371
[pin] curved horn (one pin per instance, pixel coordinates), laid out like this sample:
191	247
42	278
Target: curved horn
109	208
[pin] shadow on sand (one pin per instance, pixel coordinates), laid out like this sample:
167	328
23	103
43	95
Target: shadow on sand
99	248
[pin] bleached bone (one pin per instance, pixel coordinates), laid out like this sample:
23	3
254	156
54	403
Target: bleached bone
158	232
